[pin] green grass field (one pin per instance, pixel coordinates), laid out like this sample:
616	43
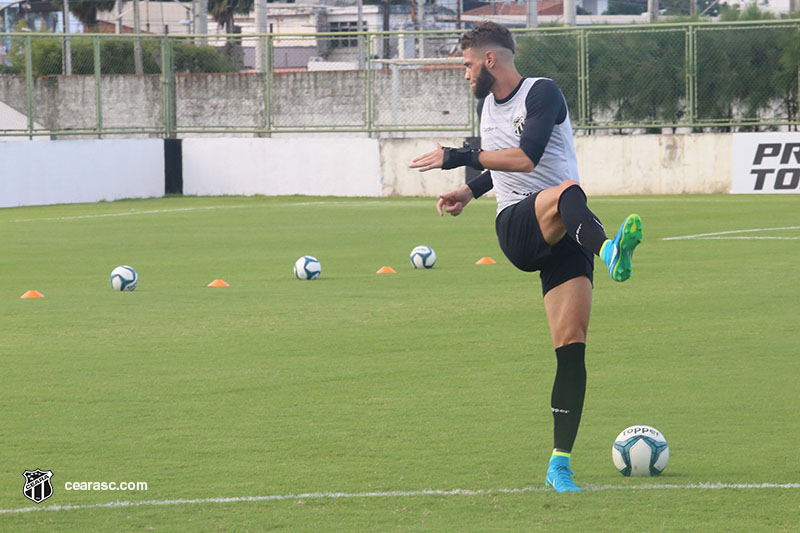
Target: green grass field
391	384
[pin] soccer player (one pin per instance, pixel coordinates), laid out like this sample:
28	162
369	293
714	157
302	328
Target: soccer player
543	222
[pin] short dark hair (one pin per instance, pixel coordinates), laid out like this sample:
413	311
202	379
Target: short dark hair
487	33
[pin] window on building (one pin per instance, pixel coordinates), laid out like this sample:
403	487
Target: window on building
345	42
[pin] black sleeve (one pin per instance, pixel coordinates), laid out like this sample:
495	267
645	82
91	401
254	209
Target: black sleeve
545	107
481	185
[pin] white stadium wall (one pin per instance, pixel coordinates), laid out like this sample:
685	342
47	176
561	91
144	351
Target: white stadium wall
54	172
399	180
60	172
313	165
655	164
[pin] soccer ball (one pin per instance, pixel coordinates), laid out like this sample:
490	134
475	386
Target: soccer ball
124	278
307	267
640	451
423	257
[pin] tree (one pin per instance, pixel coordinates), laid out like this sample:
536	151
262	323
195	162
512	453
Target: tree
223	11
553	56
786	76
86	10
626	7
632	77
740	73
116	57
637	77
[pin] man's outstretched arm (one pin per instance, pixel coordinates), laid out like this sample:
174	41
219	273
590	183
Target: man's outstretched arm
507	159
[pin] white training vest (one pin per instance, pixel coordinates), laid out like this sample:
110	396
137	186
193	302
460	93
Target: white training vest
501	126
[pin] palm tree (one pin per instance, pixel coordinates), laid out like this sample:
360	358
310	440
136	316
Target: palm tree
223	11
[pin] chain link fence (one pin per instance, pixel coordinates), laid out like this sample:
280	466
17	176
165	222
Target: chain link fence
643	78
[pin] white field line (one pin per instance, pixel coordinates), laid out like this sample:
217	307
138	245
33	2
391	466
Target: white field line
132	212
399	494
666	198
751	238
129	213
724	234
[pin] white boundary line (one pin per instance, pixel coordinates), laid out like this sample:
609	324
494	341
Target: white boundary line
396	494
719	234
128	213
336	203
753	238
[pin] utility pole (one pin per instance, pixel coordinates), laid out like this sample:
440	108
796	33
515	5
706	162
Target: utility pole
569	12
201	24
118	9
261	28
387	11
360	4
420	26
66	49
532	14
652	10
137	41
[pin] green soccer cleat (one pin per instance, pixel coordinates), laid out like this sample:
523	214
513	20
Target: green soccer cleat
559	476
617	253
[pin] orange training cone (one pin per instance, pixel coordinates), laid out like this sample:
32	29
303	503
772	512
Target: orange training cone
219	283
32	294
485	261
386	270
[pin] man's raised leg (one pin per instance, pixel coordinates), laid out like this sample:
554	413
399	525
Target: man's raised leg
562	210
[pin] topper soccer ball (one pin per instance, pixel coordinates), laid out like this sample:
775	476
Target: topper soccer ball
640	451
307	268
124	278
423	257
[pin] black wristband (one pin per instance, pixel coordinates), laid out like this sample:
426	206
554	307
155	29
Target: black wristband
481	185
460	157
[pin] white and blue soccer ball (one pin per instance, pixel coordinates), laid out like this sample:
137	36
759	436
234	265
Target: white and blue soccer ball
640	451
423	257
307	267
124	278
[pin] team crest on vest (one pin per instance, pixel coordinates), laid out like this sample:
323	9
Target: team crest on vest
37	486
519	123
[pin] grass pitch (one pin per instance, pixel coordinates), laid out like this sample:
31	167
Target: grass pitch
378	387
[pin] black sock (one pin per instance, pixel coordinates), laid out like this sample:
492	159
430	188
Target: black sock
569	390
582	226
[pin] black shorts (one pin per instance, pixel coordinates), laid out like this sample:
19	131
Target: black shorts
521	240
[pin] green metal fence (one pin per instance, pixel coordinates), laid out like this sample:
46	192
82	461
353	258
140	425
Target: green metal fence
696	76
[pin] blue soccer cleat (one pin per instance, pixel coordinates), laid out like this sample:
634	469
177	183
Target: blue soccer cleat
559	475
617	253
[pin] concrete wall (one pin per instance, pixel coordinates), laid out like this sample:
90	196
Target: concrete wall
11	119
60	172
311	166
609	165
88	171
69	102
655	164
299	99
399	180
